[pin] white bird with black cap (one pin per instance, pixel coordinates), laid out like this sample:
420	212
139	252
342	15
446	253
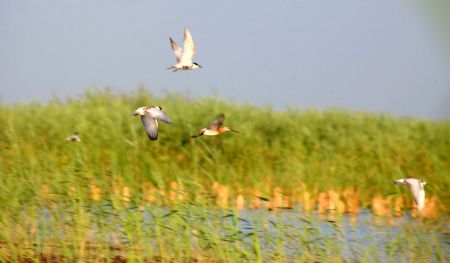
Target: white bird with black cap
184	56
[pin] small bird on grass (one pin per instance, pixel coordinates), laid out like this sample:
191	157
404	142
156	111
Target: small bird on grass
74	138
150	115
215	128
184	56
416	186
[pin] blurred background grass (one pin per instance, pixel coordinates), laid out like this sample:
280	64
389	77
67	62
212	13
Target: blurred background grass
291	149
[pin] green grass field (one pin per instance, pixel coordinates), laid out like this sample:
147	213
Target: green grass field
46	183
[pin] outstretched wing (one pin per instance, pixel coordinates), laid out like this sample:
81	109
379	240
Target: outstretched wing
188	47
217	122
416	189
159	115
176	49
400	181
151	126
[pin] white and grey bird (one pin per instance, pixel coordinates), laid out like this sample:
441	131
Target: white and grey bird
184	56
416	186
74	138
150	115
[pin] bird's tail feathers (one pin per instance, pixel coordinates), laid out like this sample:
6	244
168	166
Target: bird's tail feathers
172	68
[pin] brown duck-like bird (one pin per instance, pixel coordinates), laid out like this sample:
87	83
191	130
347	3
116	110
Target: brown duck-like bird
150	116
215	128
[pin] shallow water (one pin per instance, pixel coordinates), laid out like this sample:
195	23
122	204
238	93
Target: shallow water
354	233
287	232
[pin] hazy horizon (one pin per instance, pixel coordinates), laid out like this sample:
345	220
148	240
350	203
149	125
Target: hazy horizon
373	56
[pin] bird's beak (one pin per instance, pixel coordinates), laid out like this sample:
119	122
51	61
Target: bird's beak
135	114
234	130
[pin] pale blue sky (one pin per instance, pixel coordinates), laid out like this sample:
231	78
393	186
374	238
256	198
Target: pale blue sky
375	55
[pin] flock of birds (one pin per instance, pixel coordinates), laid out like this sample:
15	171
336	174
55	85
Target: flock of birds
150	115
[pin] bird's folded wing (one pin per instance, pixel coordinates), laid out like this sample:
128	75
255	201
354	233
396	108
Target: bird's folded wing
151	126
217	122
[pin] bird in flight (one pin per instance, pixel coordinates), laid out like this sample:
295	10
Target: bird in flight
184	56
215	128
74	138
150	115
416	186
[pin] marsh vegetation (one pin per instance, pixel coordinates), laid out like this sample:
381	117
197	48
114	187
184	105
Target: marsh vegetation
293	185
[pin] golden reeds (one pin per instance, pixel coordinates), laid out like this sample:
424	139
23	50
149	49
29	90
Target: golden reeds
72	191
432	208
322	202
176	192
126	194
96	192
222	194
277	200
380	207
336	205
46	193
256	201
399	205
149	193
240	203
351	199
308	202
329	203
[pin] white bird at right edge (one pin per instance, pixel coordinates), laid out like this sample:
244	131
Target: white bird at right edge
416	186
184	56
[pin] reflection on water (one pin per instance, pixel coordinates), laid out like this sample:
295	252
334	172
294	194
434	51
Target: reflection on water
287	231
352	233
